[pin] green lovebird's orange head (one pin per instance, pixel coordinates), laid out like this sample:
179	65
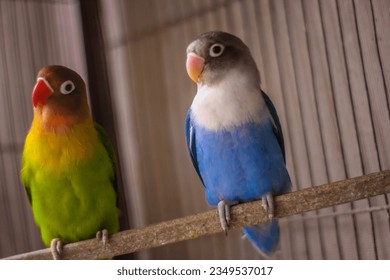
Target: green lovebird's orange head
59	99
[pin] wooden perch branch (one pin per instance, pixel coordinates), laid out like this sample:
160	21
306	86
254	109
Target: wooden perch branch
194	226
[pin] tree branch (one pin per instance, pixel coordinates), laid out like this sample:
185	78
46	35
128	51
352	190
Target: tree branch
245	214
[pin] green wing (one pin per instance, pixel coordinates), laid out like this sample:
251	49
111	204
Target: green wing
103	137
24	176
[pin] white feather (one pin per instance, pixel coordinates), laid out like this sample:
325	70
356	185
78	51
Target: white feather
232	102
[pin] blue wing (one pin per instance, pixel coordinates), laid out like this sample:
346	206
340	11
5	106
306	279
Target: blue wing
277	128
191	143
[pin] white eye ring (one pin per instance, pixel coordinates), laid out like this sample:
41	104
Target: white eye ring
67	87
216	50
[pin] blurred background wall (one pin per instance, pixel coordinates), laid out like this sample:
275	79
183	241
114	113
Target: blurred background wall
324	63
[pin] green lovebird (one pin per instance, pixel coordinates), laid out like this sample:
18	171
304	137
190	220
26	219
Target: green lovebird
68	163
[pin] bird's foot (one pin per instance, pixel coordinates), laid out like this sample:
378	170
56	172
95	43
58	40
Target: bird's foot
102	235
268	204
56	248
224	215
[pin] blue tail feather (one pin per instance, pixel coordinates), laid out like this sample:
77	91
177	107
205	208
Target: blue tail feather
264	236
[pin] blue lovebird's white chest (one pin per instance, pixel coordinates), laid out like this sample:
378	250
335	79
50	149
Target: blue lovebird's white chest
230	103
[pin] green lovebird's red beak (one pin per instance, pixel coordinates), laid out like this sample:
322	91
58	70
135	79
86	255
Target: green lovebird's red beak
41	91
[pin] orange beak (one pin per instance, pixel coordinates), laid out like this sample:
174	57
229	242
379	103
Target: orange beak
41	92
194	65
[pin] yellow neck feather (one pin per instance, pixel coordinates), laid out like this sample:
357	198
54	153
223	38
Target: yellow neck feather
60	150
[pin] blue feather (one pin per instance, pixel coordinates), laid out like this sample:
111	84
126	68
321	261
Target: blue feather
242	164
239	165
191	143
264	236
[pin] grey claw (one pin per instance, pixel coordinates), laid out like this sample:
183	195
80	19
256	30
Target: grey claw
268	204
103	236
224	215
56	248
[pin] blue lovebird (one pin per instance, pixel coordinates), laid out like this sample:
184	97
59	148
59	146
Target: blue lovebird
233	133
